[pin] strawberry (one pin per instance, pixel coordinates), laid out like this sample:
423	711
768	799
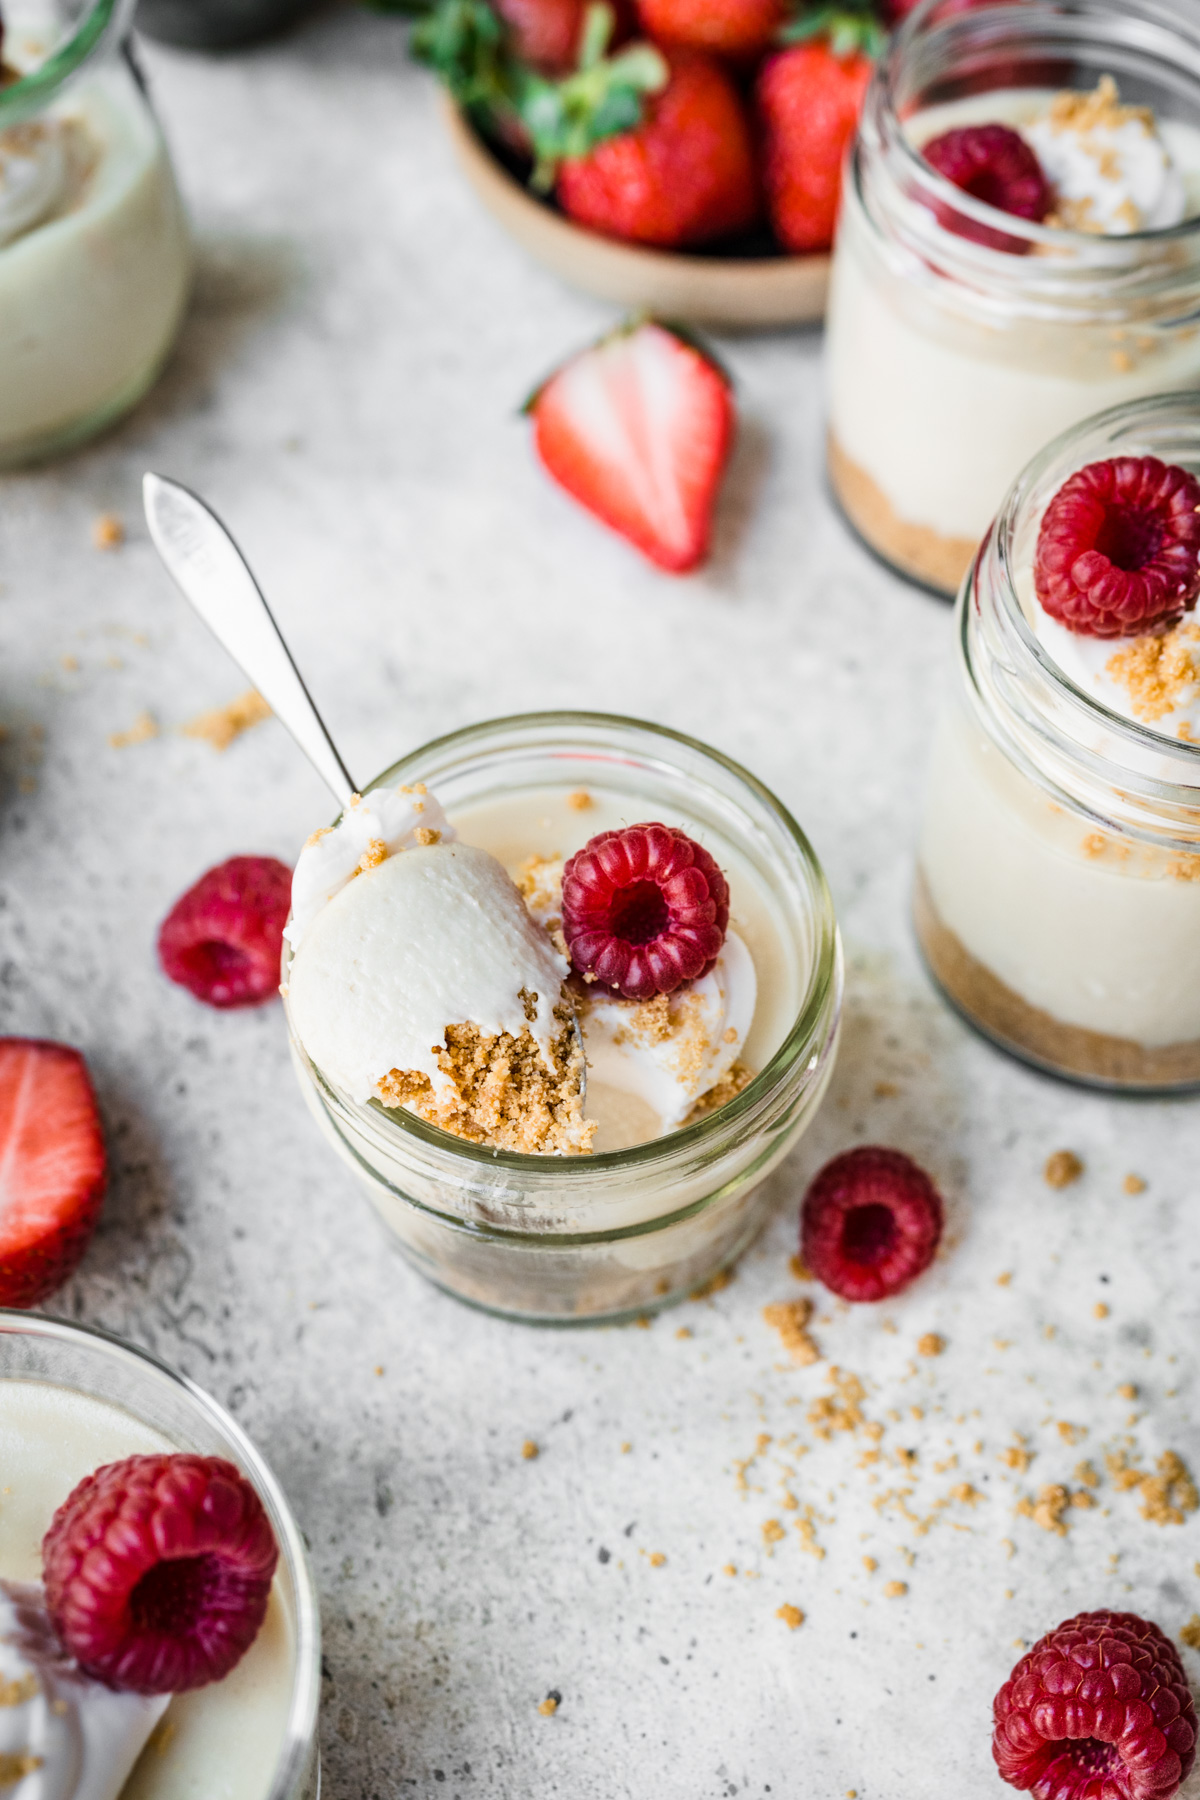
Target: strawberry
808	99
544	33
736	28
684	175
638	429
52	1167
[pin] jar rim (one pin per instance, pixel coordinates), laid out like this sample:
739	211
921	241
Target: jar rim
304	1701
824	977
32	92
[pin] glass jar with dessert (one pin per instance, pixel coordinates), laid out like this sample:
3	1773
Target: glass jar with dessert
1058	884
564	989
159	1631
94	254
1019	249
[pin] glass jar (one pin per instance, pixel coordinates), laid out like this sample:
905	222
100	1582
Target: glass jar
952	361
565	1240
92	1363
94	256
1058	882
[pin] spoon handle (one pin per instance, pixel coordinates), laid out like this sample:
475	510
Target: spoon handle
211	572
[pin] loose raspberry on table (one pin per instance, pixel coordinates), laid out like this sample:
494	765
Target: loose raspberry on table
1118	550
1099	1709
644	910
157	1571
223	939
994	164
870	1223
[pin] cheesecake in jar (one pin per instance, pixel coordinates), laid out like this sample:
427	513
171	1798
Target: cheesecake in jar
1018	250
1058	879
563	990
94	251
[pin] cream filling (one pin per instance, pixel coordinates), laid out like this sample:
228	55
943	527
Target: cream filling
35	172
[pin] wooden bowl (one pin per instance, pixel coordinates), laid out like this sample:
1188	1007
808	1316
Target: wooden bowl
746	293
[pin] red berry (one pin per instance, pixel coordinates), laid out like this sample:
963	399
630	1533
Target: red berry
993	163
1099	1709
157	1571
544	33
638	428
736	28
870	1223
53	1168
808	103
685	175
644	910
222	940
1118	552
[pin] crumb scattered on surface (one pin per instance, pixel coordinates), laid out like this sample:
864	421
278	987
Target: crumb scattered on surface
790	1319
792	1617
1003	1280
713	1285
580	800
1158	672
932	1344
1190	1635
869	1564
657	1559
18	1692
108	532
223	724
894	1590
144	727
529	1450
773	1532
1070	1434
1086	1474
1062	1168
1133	1184
374	854
1048	1508
1127	1391
800	1268
1100	1310
550	1705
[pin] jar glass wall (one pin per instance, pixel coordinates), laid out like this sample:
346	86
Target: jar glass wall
94	254
578	1239
253	1736
953	361
1058	884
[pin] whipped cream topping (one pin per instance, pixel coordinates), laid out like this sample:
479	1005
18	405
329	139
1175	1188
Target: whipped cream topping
34	174
373	826
431	936
670	1054
62	1735
1110	170
1154	680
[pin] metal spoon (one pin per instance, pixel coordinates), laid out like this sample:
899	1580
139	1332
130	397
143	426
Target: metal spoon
210	571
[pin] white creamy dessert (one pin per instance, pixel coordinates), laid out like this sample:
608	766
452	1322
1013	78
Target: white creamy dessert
948	372
223	1740
396	937
1063	913
94	264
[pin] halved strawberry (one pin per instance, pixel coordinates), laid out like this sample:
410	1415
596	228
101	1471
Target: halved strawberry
638	429
53	1167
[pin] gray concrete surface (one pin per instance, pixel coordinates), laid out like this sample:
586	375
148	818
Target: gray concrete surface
346	391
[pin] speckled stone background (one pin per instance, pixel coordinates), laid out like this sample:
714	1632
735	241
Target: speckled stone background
346	392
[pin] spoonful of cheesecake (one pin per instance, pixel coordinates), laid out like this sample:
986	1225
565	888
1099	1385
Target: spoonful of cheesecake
417	976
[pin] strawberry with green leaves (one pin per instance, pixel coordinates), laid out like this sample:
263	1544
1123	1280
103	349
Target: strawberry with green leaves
740	29
638	430
808	98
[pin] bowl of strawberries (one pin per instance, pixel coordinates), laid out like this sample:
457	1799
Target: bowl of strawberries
678	156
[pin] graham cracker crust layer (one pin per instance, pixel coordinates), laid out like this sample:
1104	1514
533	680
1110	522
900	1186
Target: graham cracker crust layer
940	562
1037	1035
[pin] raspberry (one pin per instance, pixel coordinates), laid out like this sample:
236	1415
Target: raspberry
994	164
870	1223
157	1571
222	940
644	910
1099	1709
1118	552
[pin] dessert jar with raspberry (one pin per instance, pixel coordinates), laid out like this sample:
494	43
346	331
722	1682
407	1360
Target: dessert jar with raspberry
94	252
1018	249
74	1401
1058	881
694	1097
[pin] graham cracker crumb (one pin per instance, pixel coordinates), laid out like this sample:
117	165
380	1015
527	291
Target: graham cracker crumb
1100	1310
1127	1391
539	882
1101	109
792	1617
225	723
144	727
549	1706
162	1734
1159	672
1062	1168
625	1449
657	1559
1070	1434
807	1528
729	1569
14	1767
108	532
1171	1493
1133	1184
1190	1635
1048	1509
885	1090
529	1450
501	1092
800	1268
1003	1280
790	1319
580	800
773	1532
721	1093
426	835
713	1285
932	1344
894	1590
16	1693
1017	1456
869	1564
685	1331
374	854
840	1410
1086	1473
